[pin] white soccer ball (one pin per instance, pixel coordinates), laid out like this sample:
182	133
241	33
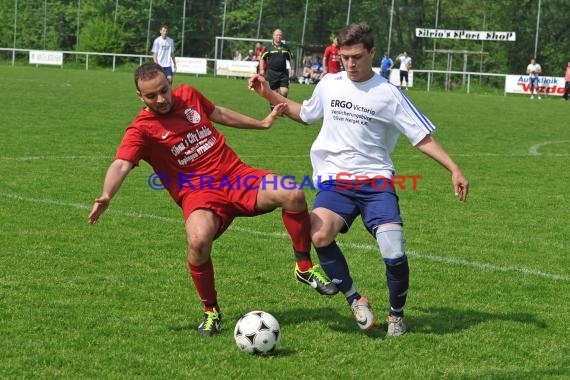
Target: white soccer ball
257	332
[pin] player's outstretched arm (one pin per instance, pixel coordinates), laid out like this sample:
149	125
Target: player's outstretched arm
431	148
115	176
231	118
258	84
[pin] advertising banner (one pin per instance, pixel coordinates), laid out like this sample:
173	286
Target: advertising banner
236	68
475	35
46	57
395	76
191	65
519	84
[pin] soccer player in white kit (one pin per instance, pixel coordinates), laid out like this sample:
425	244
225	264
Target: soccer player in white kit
363	115
163	53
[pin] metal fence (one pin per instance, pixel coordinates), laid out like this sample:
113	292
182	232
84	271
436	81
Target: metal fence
426	79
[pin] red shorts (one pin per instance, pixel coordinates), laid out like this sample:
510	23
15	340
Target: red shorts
234	195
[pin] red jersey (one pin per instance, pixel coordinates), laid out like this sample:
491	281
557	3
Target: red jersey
184	145
258	54
332	57
567	77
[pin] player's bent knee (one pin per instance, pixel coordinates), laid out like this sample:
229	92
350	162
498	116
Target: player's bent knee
390	238
199	246
197	257
321	238
296	198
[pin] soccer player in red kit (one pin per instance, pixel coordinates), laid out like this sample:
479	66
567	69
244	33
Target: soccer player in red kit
174	133
331	58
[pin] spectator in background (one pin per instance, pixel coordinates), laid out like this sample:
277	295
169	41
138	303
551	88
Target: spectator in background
533	70
276	56
567	84
317	71
250	56
237	55
163	53
331	59
405	67
386	65
258	54
307	63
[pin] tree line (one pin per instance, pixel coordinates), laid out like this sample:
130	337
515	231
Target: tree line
124	26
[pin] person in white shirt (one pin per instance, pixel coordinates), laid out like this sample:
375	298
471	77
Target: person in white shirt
163	53
533	70
405	67
363	114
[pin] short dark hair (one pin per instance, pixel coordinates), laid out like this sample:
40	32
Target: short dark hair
357	33
148	71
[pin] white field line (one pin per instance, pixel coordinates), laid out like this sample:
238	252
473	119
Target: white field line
283	235
55	158
533	151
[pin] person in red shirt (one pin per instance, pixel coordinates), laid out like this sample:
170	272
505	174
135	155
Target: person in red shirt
259	50
175	134
331	59
567	84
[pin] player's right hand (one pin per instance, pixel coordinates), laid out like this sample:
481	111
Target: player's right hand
278	110
460	185
99	208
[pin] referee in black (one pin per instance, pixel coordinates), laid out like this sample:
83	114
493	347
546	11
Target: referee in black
274	62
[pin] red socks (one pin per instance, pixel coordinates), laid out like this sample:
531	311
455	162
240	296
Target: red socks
203	278
298	224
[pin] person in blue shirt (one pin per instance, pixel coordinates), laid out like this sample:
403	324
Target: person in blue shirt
386	65
316	71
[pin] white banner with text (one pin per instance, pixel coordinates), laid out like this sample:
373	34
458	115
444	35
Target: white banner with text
46	57
236	68
466	34
520	84
395	76
191	65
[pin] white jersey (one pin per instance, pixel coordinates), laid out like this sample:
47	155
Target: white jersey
361	125
163	48
405	61
533	70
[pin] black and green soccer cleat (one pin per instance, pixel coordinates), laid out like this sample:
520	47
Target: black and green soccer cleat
317	281
211	324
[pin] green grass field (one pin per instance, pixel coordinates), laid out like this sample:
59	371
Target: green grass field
490	279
